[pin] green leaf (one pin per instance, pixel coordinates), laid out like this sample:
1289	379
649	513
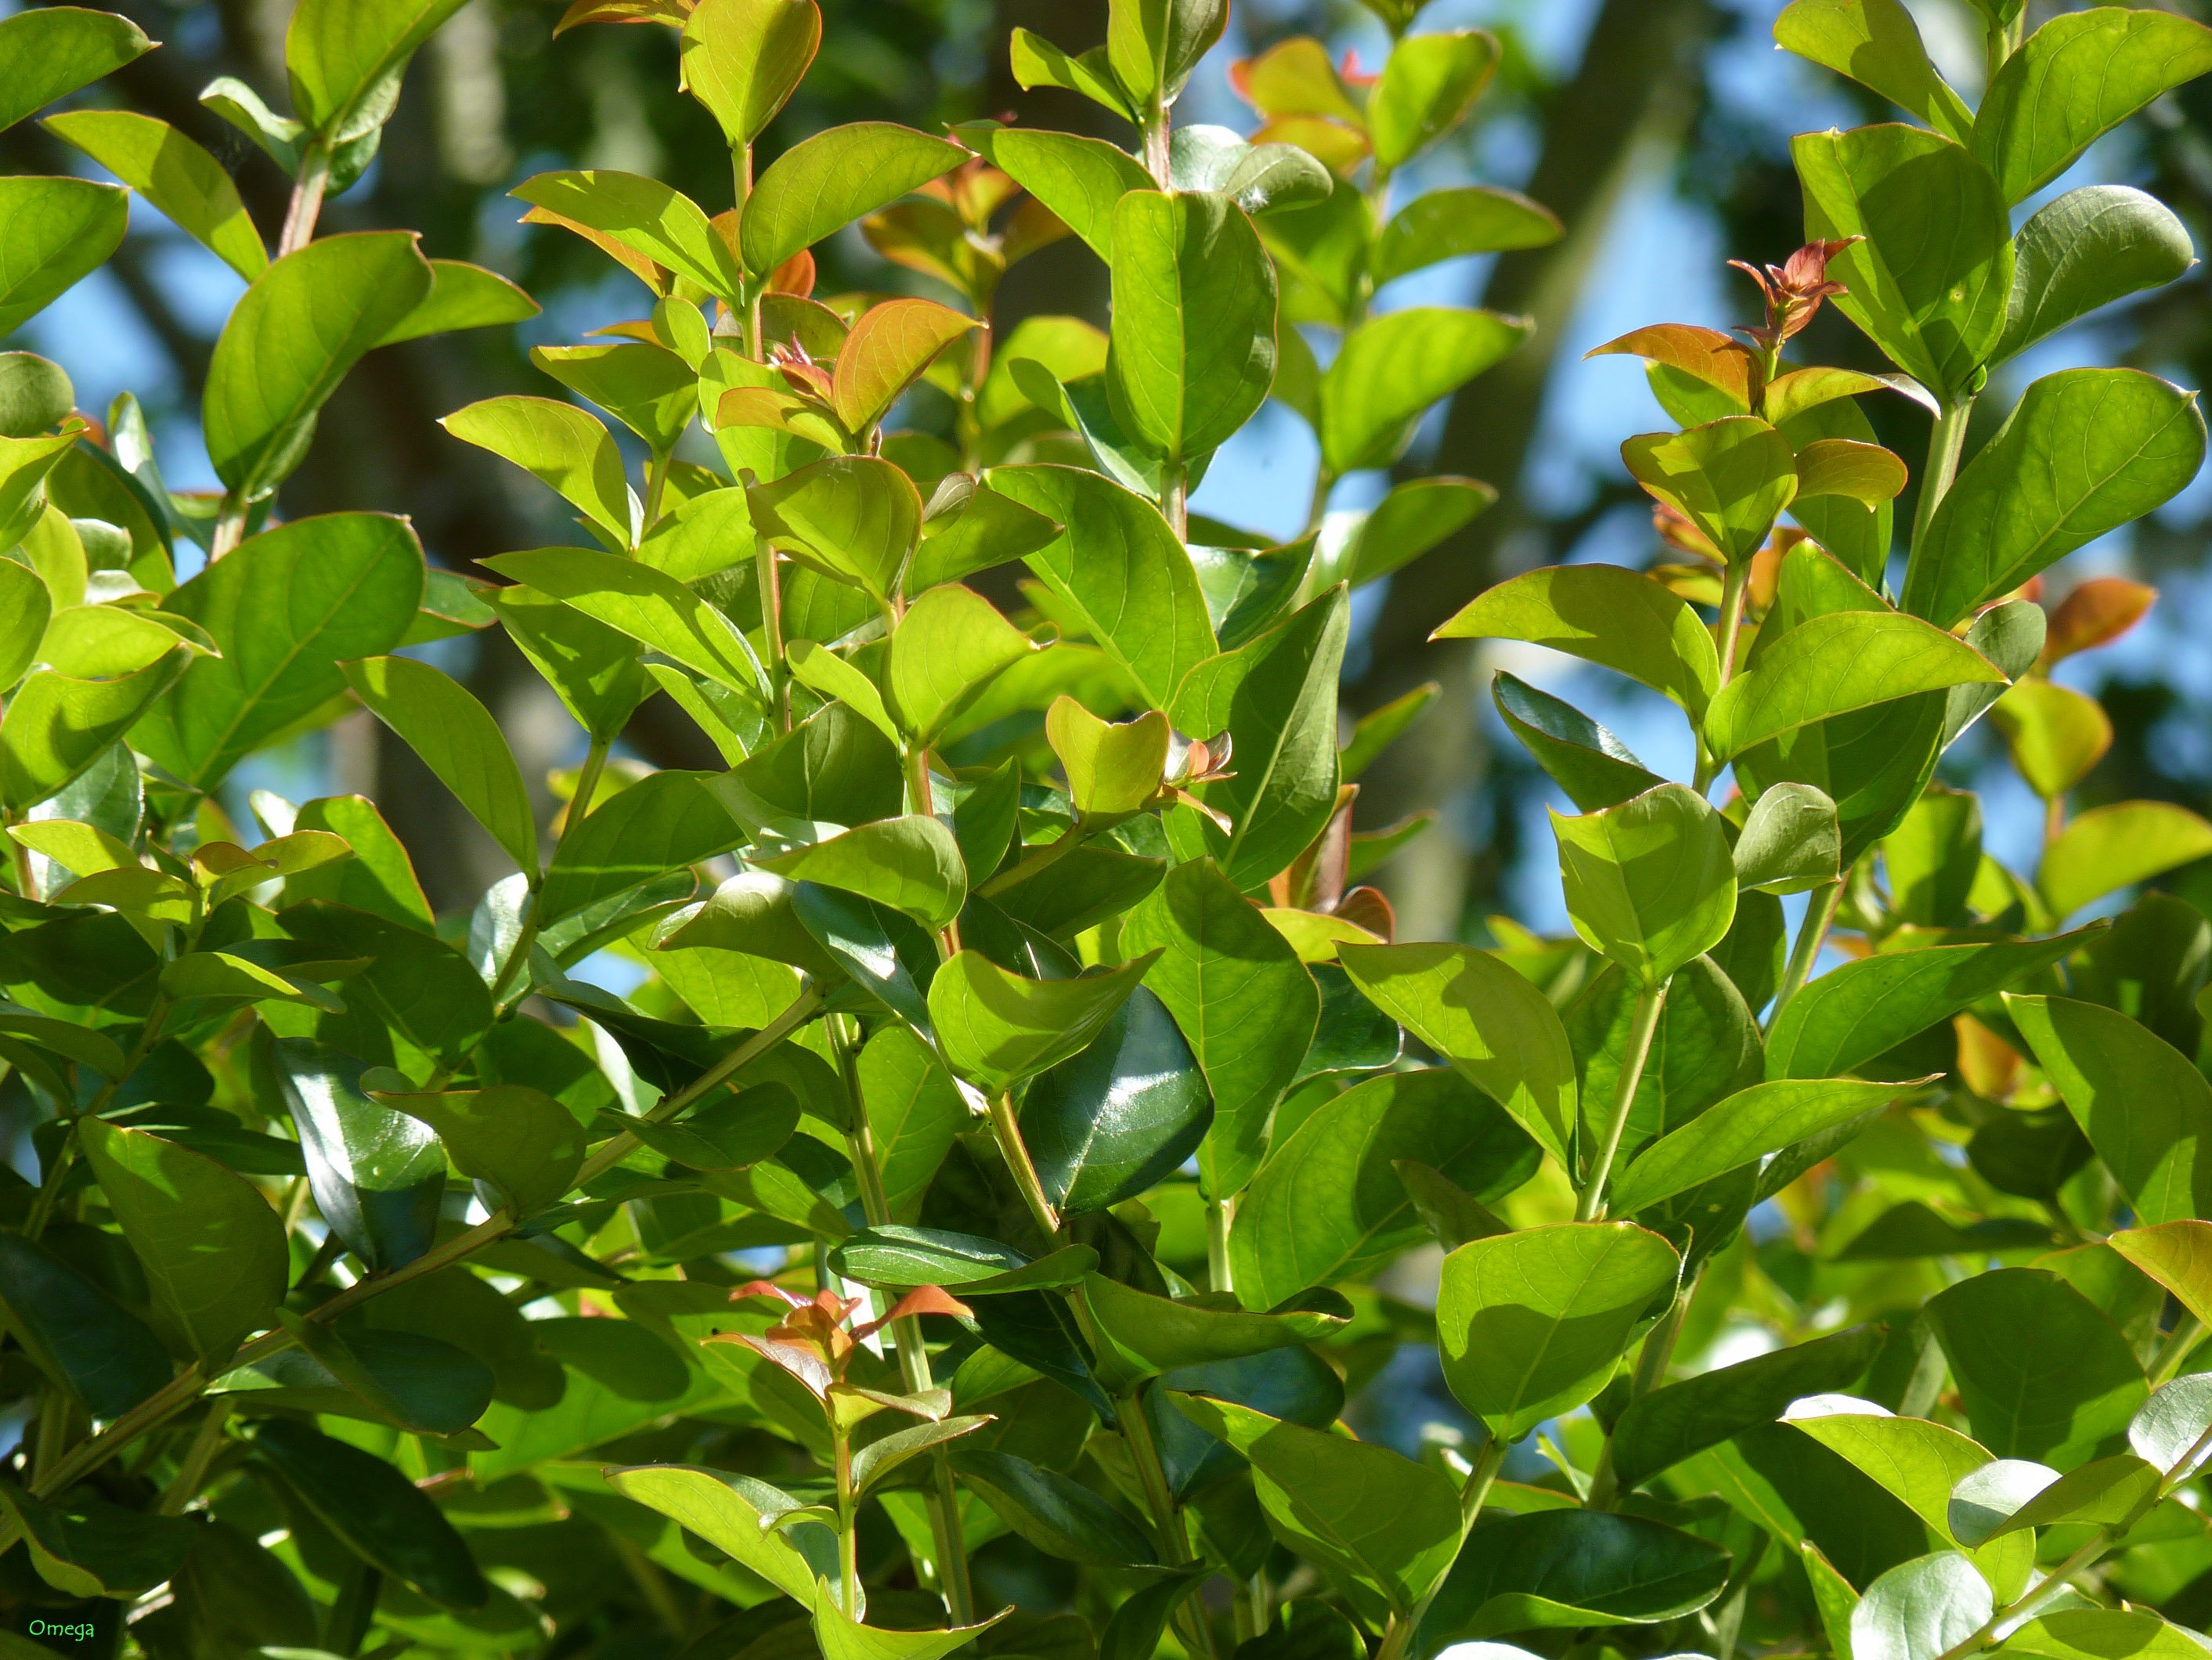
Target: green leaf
916	1111
2098	1633
423	989
669	821
2141	1104
2053	1398
2177	1254
1260	178
1877	44
904	1257
1276	698
2012	1494
988	529
1119	571
212	1247
1193	320
462	296
175	174
1330	1203
945	651
2084	452
378	1175
1153	45
1594	767
2168	1431
78	1333
457	738
1730	478
302	326
997	1027
1392	368
1743	1129
832	766
1430	82
823	183
345	58
1080	179
1921	1609
1920	1464
1038	63
2075	79
1832	665
1649	883
1532	1324
744	59
1453	222
563	447
520	1140
910	864
56	231
648	388
25	607
87	1547
1790	842
56	727
375	1510
1110	1123
1243	999
1062	1517
1373	1521
285	608
1139	1335
855	517
733	1513
649	605
1935	305
651	219
2090	247
1113	768
2110	847
1620	619
843	1638
593	669
1661	1429
1493	1025
47	53
1848	1017
1568	1568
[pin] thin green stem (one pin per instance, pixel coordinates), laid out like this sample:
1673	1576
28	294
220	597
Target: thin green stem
307	205
849	1532
1220	1214
1037	861
580	808
1007	1130
1733	582
1473	1495
1167	1520
656	487
192	1471
1820	916
1589	1205
1658	1354
2175	1350
1947	439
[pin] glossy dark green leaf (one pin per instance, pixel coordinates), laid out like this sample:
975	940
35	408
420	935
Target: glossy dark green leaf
1140	1335
85	1547
1294	1384
1846	1019
1060	1517
1661	1429
416	1383
424	991
377	1511
903	1257
1243	1000
1107	1123
377	1174
1329	1204
2051	1398
78	1333
519	1140
1532	1324
2084	452
212	1247
2146	1110
1571	1568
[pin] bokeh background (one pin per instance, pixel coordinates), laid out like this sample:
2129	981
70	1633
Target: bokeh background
1658	130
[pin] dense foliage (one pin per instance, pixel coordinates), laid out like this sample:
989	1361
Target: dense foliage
948	1176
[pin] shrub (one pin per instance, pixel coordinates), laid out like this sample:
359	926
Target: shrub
1008	1000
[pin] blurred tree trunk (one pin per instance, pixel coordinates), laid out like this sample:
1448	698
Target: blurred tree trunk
1638	82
